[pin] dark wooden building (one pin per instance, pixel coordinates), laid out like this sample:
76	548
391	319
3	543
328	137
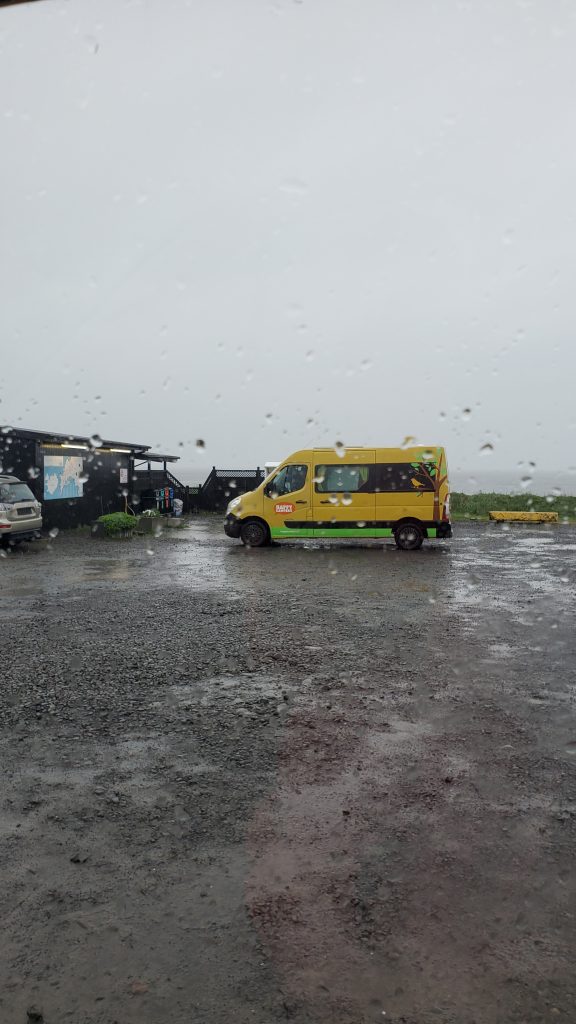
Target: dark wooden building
77	478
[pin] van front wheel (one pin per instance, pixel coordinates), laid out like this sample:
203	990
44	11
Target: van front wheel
408	537
254	534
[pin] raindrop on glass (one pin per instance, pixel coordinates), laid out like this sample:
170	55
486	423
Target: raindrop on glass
487	448
339	449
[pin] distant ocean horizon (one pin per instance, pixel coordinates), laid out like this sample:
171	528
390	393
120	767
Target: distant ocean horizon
501	481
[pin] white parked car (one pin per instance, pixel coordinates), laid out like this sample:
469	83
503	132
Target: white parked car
20	513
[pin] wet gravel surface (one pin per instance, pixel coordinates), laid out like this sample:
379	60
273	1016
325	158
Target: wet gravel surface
316	784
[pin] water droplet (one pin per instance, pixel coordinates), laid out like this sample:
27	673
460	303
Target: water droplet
33	472
525	481
333	499
571	748
408	441
268	417
200	444
365	364
96	441
53	533
466	414
361	523
310	355
318	479
149	551
339	449
487	448
346	499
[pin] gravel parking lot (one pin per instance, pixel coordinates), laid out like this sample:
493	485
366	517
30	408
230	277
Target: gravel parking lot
305	783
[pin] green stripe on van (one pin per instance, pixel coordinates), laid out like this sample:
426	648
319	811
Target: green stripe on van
277	532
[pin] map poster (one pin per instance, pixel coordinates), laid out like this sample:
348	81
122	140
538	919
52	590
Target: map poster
63	477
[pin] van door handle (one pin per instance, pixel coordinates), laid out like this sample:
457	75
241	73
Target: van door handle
301	503
326	503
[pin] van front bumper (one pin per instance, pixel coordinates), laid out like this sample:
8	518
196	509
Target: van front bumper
232	526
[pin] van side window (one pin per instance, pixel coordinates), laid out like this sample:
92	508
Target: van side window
404	476
348	479
288	480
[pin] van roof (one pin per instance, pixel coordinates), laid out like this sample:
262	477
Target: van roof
380	447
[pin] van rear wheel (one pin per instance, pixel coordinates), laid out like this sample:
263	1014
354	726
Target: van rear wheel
409	537
254	535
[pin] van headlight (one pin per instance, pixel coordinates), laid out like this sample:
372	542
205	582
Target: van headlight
233	504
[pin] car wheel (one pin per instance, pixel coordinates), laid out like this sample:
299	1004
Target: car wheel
254	535
409	537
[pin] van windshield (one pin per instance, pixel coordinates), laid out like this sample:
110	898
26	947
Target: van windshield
13	492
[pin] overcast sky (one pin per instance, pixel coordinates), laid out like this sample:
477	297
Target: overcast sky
269	224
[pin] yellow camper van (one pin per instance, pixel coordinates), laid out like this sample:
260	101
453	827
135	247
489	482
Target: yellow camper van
353	492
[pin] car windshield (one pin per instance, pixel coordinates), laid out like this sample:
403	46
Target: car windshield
13	492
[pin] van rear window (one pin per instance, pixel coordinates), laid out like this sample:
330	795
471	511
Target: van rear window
404	476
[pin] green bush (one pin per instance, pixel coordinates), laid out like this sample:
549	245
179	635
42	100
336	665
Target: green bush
118	522
474	506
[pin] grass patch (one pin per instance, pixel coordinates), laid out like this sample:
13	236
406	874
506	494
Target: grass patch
477	506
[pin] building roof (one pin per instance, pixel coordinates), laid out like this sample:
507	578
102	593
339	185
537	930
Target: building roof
158	457
96	442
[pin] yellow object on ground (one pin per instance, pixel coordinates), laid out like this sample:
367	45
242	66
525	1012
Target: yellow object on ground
525	517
